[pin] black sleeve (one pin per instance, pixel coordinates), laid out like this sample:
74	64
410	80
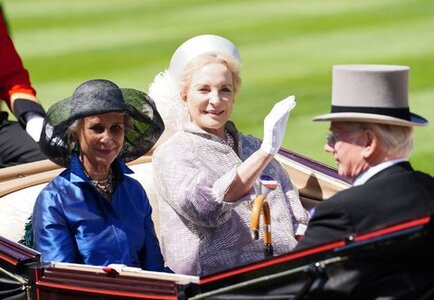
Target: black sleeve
330	222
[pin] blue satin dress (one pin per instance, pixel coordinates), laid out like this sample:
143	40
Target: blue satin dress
73	222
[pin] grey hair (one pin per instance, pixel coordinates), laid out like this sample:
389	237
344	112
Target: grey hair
208	58
397	140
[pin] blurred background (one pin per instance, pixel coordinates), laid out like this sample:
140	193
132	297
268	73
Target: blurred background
287	47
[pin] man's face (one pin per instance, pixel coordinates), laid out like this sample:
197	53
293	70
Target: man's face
346	146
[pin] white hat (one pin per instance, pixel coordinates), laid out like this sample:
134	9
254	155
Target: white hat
371	93
198	45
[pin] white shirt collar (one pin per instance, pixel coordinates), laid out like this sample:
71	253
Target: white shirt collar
365	176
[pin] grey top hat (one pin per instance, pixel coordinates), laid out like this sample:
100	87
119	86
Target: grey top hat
371	93
95	97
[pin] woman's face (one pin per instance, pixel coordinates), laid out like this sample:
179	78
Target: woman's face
101	138
209	97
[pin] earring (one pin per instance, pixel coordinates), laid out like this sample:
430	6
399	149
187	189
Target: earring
75	147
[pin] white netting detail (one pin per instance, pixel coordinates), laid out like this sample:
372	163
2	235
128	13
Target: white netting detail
166	96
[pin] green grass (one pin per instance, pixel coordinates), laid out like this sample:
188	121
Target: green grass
287	47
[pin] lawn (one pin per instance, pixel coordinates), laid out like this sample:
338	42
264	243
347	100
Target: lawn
287	47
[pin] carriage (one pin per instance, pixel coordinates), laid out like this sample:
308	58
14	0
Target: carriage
295	275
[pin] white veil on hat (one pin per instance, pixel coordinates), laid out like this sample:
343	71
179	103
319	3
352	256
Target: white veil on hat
164	90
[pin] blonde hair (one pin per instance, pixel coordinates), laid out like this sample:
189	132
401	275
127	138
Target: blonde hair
209	58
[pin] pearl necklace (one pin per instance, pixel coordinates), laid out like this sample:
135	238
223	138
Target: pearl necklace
229	139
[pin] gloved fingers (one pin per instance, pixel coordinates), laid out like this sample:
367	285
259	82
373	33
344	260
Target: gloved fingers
280	111
275	125
286	104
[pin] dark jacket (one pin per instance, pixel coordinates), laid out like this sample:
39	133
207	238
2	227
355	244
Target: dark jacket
394	195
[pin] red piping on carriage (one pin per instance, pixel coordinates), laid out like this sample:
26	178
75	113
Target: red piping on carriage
108	292
36	280
402	226
8	259
272	262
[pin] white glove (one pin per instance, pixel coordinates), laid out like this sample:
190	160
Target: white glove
34	125
275	125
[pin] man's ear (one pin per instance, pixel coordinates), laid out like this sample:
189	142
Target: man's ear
370	143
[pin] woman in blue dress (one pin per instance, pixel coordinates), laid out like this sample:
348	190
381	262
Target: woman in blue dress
93	212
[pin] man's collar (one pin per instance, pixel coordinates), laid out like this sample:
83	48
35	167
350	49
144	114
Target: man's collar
365	176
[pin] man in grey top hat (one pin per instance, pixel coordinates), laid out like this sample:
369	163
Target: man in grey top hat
371	137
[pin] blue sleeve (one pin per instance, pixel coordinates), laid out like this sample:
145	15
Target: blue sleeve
153	259
52	236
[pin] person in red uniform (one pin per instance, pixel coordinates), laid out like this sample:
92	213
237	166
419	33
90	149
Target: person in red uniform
16	144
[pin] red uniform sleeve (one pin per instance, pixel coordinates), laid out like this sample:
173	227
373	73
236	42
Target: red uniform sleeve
14	78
